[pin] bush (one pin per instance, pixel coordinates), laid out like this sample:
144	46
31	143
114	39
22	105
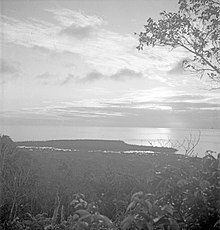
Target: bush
179	193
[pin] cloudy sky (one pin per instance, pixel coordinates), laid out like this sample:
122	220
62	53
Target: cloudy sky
75	63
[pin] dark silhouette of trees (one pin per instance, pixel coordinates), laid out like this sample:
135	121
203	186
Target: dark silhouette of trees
14	177
196	28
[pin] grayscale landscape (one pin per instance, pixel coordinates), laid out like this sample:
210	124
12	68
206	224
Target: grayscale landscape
110	115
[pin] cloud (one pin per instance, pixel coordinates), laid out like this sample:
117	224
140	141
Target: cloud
161	100
194	106
107	52
52	79
122	74
68	17
93	76
6	67
196	97
157	107
9	70
126	74
77	24
63	112
157	116
172	106
46	78
79	32
187	98
68	79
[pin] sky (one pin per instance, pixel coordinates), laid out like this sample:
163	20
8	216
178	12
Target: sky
75	63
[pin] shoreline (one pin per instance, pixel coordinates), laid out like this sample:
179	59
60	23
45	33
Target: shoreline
93	145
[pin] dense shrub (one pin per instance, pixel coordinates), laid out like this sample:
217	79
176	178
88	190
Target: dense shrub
176	193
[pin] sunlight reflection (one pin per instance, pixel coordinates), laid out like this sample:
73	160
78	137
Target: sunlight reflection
132	135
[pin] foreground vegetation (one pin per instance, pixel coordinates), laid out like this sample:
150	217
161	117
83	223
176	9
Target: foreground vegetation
46	189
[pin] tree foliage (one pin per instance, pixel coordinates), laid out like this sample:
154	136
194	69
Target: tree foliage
196	28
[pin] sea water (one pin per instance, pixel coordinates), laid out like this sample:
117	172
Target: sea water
208	139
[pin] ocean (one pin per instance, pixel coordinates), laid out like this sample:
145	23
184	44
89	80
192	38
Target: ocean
209	139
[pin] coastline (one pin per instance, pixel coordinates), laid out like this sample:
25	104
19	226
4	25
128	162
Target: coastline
93	145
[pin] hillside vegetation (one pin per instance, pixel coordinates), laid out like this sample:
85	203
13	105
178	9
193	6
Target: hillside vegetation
50	189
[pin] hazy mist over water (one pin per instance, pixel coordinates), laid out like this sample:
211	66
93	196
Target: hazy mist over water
209	138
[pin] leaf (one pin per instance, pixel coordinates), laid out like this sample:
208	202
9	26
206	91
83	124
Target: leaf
83	225
48	227
173	224
131	205
148	196
182	182
204	184
149	206
139	224
149	226
89	217
79	195
81	200
82	212
91	207
160	184
126	223
155	220
73	202
104	219
137	195
72	219
198	194
146	217
168	208
75	217
217	223
161	221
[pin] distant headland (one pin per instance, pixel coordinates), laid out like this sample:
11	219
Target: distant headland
94	145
